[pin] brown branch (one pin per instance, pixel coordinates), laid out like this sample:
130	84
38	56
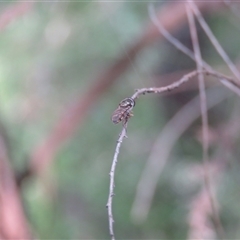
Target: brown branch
13	223
183	80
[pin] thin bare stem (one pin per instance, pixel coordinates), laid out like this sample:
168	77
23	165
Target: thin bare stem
181	81
214	41
167	35
204	114
176	43
139	92
112	185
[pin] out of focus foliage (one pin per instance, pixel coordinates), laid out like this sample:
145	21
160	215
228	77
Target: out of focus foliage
49	58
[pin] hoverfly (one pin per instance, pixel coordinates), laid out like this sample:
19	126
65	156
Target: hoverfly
123	112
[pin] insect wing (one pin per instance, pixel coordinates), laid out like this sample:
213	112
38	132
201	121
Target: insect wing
116	116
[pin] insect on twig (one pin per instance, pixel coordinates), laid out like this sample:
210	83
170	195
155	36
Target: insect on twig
123	111
121	114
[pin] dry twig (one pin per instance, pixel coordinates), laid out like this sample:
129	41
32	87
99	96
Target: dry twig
183	80
144	91
112	185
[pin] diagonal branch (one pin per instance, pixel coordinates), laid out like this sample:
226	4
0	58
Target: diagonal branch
214	41
13	12
183	80
176	43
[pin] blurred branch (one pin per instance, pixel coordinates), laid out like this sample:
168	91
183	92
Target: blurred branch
224	137
199	222
43	154
162	148
214	41
176	43
205	128
199	225
232	8
13	224
13	12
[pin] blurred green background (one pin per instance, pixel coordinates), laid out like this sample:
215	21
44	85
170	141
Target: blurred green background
49	58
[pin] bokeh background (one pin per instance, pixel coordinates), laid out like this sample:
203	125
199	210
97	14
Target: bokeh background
64	67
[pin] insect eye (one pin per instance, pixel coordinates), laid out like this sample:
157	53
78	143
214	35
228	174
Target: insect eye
127	102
